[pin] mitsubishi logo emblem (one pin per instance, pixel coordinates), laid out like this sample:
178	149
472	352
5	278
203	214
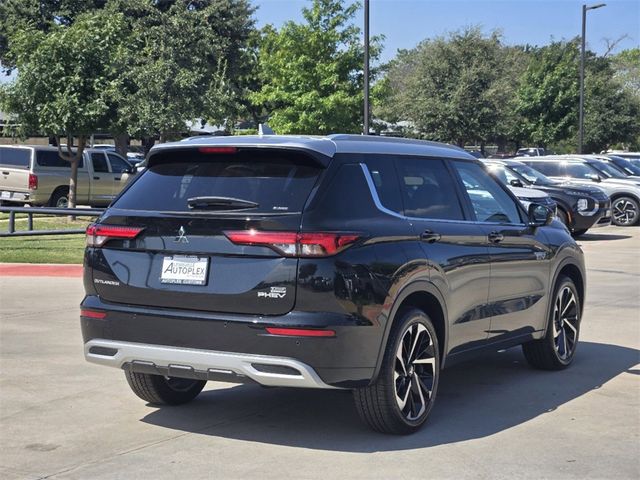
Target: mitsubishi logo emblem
181	238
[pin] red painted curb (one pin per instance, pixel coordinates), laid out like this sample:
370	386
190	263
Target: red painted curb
39	270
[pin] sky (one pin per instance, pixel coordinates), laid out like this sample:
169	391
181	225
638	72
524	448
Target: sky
404	23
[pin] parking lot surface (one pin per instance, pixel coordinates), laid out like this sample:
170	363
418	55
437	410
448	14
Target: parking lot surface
61	417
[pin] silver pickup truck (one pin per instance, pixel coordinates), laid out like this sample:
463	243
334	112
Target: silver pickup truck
36	175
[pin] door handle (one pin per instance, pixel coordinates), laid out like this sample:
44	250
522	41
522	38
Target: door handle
495	237
5	173
429	236
117	179
96	178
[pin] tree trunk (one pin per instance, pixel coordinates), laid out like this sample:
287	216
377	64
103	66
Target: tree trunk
147	143
74	160
122	143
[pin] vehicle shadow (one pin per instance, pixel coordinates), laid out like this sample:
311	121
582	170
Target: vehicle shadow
475	400
589	237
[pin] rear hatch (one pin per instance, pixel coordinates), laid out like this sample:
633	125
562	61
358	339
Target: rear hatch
14	170
187	204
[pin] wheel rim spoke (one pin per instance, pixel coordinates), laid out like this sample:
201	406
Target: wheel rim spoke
565	323
414	372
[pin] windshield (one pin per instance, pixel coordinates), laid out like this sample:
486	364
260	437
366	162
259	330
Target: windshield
505	175
609	170
532	175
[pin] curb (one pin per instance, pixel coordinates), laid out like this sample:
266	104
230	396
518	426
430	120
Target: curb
40	270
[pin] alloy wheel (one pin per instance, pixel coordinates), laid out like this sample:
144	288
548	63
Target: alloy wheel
565	323
414	371
624	212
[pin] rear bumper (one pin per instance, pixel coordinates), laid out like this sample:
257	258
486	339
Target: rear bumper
202	364
347	360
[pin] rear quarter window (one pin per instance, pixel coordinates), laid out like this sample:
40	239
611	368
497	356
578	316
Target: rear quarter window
279	182
50	158
15	157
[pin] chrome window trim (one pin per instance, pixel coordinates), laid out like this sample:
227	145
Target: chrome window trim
376	200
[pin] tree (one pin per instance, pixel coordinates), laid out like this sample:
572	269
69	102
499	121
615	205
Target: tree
183	61
611	109
549	95
64	82
311	73
451	89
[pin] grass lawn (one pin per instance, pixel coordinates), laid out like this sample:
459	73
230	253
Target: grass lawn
43	249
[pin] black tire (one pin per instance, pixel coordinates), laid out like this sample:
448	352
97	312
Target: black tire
60	198
564	218
577	233
159	390
625	211
558	347
378	404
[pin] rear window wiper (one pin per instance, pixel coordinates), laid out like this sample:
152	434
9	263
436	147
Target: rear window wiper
220	203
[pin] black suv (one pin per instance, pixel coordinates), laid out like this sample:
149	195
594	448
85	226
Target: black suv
346	261
579	207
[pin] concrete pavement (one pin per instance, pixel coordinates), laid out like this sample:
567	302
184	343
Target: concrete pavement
61	417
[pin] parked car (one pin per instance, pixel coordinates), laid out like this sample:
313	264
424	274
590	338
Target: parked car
608	169
579	207
135	153
633	157
352	262
530	152
624	194
625	166
36	175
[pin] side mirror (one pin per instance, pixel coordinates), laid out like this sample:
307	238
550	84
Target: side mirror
539	215
595	178
516	183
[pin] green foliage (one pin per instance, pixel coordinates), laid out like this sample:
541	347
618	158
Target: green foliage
626	68
611	111
311	73
182	60
549	95
65	78
451	89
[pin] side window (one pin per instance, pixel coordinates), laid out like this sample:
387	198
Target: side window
428	189
488	199
551	169
99	163
385	180
118	165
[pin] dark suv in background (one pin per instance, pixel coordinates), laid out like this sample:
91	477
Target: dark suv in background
350	262
579	207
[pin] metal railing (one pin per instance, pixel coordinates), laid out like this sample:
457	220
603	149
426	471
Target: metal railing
31	211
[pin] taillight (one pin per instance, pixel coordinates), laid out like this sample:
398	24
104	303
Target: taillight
217	150
292	244
98	234
33	182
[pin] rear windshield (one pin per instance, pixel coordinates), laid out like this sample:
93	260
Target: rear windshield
50	158
15	157
277	182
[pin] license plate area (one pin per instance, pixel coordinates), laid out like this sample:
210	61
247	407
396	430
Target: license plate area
184	270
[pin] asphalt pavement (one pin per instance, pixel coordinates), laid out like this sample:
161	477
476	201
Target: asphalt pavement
61	417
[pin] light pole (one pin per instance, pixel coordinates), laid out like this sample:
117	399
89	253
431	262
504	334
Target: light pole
585	8
365	128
